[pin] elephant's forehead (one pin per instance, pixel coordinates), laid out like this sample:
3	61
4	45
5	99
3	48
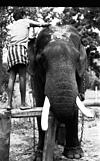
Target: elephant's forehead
59	32
65	33
59	35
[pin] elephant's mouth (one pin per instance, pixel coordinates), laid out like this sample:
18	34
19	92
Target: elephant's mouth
46	107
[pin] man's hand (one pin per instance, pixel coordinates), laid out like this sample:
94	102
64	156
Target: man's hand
45	25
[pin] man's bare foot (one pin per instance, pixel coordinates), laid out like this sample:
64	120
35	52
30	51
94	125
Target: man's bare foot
9	108
25	107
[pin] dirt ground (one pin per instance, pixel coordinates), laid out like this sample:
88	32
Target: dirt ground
24	134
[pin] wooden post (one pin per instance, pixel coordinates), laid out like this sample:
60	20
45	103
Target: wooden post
49	142
5	126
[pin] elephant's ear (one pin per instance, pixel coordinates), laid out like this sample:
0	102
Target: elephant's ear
82	61
75	38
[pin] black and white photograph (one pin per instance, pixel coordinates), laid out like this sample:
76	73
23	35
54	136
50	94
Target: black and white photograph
49	83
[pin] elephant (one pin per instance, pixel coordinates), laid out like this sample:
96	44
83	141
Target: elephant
57	67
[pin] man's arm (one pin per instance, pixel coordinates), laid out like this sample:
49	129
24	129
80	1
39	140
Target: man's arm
37	24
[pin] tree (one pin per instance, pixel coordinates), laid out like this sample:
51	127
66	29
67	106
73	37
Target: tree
87	21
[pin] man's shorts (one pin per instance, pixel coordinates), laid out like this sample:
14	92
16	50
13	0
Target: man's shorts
18	68
17	54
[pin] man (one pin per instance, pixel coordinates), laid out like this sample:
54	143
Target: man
17	59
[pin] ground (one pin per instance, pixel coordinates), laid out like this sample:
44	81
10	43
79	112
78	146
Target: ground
23	140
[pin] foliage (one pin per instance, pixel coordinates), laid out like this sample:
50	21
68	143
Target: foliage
3	21
87	21
4	82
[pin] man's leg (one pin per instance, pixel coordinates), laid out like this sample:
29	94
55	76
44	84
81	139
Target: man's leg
22	80
11	82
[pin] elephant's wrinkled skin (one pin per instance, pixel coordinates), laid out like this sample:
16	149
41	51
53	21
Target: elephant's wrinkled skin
57	68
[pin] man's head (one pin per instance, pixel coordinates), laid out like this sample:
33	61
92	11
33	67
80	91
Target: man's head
19	14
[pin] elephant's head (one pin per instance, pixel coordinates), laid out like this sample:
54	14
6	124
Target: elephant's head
59	56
